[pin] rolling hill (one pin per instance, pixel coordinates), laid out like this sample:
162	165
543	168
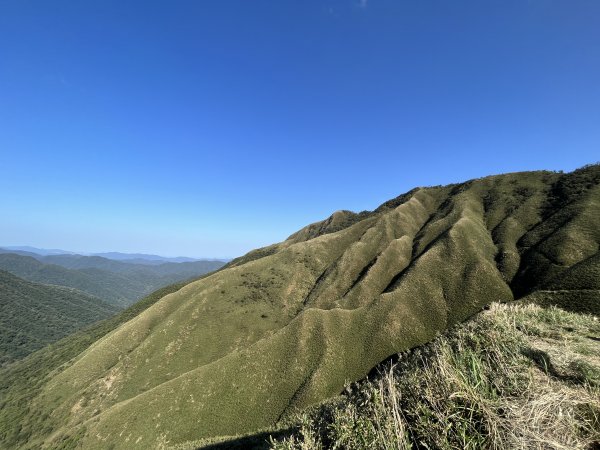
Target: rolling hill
33	315
286	326
116	282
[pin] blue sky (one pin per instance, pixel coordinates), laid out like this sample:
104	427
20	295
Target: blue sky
209	128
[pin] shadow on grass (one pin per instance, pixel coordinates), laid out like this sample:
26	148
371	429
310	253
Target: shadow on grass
259	441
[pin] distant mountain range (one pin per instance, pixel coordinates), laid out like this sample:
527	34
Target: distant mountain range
26	249
48	295
138	258
142	257
119	283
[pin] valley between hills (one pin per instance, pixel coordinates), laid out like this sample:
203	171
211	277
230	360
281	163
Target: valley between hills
46	297
287	327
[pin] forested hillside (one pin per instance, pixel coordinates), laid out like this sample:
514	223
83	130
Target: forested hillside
33	315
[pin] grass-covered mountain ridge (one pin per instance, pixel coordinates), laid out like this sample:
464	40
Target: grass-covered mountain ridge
285	327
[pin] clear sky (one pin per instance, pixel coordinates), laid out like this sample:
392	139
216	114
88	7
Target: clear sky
207	128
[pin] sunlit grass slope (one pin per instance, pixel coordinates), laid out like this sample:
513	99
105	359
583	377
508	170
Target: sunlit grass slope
287	326
517	376
23	380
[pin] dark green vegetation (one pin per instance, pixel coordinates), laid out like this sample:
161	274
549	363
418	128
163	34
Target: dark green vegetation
518	376
286	327
116	282
33	315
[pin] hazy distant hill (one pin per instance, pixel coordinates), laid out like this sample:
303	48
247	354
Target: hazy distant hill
284	327
33	315
116	282
118	256
143	258
133	258
29	251
155	268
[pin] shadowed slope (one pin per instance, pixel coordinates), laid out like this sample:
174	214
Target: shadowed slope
285	327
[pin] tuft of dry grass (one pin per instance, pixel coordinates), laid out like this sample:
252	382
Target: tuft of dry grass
513	377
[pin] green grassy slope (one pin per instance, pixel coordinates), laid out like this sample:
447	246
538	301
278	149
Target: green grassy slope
33	315
23	380
286	326
517	376
116	282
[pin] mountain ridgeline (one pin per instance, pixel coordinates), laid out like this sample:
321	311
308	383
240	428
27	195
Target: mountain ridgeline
286	326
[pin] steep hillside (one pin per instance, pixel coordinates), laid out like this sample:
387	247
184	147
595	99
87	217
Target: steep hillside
286	326
116	282
517	376
24	379
33	315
